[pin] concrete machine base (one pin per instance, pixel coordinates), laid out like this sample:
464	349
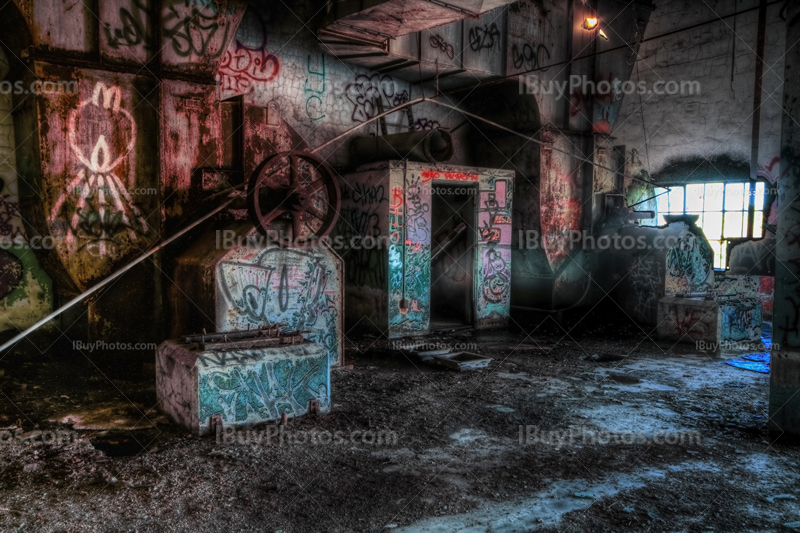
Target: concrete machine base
242	387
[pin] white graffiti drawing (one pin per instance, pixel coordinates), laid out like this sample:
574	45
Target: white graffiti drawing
96	204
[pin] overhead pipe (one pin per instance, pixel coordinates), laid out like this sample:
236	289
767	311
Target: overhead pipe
536	141
433	146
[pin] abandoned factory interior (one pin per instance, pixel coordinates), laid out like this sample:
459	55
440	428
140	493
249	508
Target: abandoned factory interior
478	266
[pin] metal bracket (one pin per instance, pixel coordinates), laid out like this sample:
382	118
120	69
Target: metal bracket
365	31
461	10
215	424
273	114
313	407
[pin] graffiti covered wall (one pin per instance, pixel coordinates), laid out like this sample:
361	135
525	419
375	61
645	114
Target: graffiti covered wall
368	208
26	292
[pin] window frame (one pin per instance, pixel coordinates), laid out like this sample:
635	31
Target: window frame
749	190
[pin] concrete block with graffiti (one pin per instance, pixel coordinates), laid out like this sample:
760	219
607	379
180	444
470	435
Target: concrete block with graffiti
241	387
689	320
690	262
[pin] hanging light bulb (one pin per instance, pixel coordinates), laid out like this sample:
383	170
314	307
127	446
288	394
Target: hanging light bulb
603	35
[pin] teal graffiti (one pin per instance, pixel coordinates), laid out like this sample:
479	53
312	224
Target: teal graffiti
264	391
319	76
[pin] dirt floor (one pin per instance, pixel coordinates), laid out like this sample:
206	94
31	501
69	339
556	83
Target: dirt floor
667	439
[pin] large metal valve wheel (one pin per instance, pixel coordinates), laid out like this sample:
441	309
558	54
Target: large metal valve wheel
293	198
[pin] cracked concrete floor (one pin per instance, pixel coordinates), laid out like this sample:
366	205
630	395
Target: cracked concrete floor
460	461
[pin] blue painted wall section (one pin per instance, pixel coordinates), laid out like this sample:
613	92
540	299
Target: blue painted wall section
741	320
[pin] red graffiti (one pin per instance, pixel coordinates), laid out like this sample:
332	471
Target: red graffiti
428	175
766	286
559	217
247	65
397	200
500	219
490	234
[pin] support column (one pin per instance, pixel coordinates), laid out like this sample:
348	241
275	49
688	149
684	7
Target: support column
784	389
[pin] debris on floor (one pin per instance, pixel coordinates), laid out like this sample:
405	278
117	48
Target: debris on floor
463	361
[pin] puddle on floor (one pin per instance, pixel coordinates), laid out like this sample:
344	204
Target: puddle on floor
501	408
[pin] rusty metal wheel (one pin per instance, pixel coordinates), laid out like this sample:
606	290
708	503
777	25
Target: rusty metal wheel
293	193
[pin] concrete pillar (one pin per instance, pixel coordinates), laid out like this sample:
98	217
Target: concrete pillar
784	390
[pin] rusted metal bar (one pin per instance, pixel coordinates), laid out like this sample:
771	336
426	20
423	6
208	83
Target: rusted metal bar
225	336
448	240
251	344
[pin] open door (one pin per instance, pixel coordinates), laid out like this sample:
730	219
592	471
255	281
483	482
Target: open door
452	255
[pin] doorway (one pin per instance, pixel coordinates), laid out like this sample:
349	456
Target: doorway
452	254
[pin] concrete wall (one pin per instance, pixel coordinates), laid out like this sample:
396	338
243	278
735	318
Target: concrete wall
273	60
706	136
26	293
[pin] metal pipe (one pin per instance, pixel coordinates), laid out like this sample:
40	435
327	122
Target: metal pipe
448	240
757	97
433	146
531	139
